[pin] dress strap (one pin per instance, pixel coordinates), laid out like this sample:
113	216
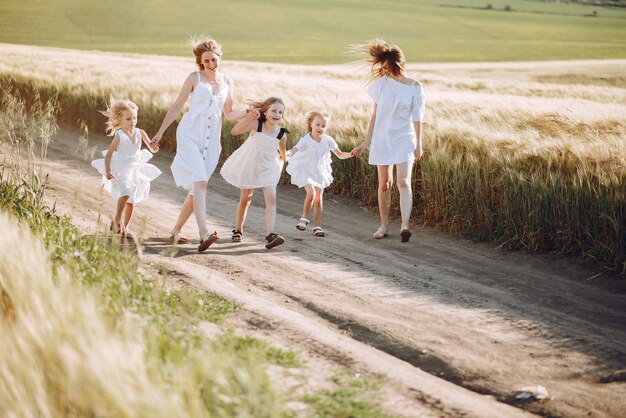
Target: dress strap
282	132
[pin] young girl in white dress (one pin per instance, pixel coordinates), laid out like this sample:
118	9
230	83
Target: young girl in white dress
310	167
125	169
395	129
258	162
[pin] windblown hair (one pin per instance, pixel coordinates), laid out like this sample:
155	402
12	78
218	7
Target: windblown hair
264	105
200	46
322	114
114	115
377	52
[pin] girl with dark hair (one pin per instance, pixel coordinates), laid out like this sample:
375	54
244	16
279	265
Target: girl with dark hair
258	162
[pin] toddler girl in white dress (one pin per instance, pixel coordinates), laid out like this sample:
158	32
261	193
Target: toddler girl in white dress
258	162
125	169
310	167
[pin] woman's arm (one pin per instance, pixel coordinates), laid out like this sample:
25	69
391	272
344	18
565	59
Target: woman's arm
177	106
417	125
368	137
107	158
229	113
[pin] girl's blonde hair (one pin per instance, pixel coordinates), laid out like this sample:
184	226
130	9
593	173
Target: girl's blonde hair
200	46
114	115
377	52
321	113
264	105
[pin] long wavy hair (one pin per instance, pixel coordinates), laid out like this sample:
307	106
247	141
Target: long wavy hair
113	112
377	52
264	105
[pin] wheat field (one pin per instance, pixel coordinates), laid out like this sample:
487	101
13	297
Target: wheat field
529	155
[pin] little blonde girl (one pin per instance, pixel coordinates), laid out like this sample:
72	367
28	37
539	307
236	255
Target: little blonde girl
126	173
258	162
310	167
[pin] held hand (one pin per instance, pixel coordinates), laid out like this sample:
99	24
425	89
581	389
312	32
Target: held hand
252	113
357	150
156	139
110	175
418	153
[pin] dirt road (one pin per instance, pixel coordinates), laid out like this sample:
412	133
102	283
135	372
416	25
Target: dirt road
442	321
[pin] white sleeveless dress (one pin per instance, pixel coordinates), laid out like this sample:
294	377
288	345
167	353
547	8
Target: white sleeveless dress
198	143
130	167
256	163
312	163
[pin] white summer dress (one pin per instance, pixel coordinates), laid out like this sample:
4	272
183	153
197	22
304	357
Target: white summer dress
198	144
256	163
312	163
398	105
129	164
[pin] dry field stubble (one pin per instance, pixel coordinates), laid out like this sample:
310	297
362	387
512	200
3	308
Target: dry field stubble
529	155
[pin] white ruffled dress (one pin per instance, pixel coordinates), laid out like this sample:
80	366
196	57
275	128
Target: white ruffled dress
256	163
129	164
312	162
398	106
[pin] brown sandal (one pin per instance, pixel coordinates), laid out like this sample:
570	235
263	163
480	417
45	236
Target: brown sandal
206	243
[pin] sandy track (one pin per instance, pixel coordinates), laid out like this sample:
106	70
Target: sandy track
478	317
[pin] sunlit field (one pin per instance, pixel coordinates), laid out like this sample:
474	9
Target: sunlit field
304	32
528	155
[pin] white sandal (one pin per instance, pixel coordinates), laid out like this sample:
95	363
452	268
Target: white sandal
301	226
380	233
318	231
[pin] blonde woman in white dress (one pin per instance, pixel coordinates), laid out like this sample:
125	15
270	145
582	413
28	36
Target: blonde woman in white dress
198	142
395	129
258	163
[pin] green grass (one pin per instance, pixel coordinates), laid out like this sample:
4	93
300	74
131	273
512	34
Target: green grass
317	32
354	397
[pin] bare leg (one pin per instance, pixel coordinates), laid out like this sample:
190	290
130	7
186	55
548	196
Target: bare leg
245	197
403	179
128	215
308	200
385	181
121	204
199	207
319	206
183	216
269	193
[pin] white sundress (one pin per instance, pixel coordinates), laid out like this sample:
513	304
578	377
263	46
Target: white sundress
312	162
129	164
198	144
398	105
256	163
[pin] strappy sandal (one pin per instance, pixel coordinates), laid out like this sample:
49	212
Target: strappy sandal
301	226
178	238
318	231
115	227
380	233
206	243
237	235
405	234
273	240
